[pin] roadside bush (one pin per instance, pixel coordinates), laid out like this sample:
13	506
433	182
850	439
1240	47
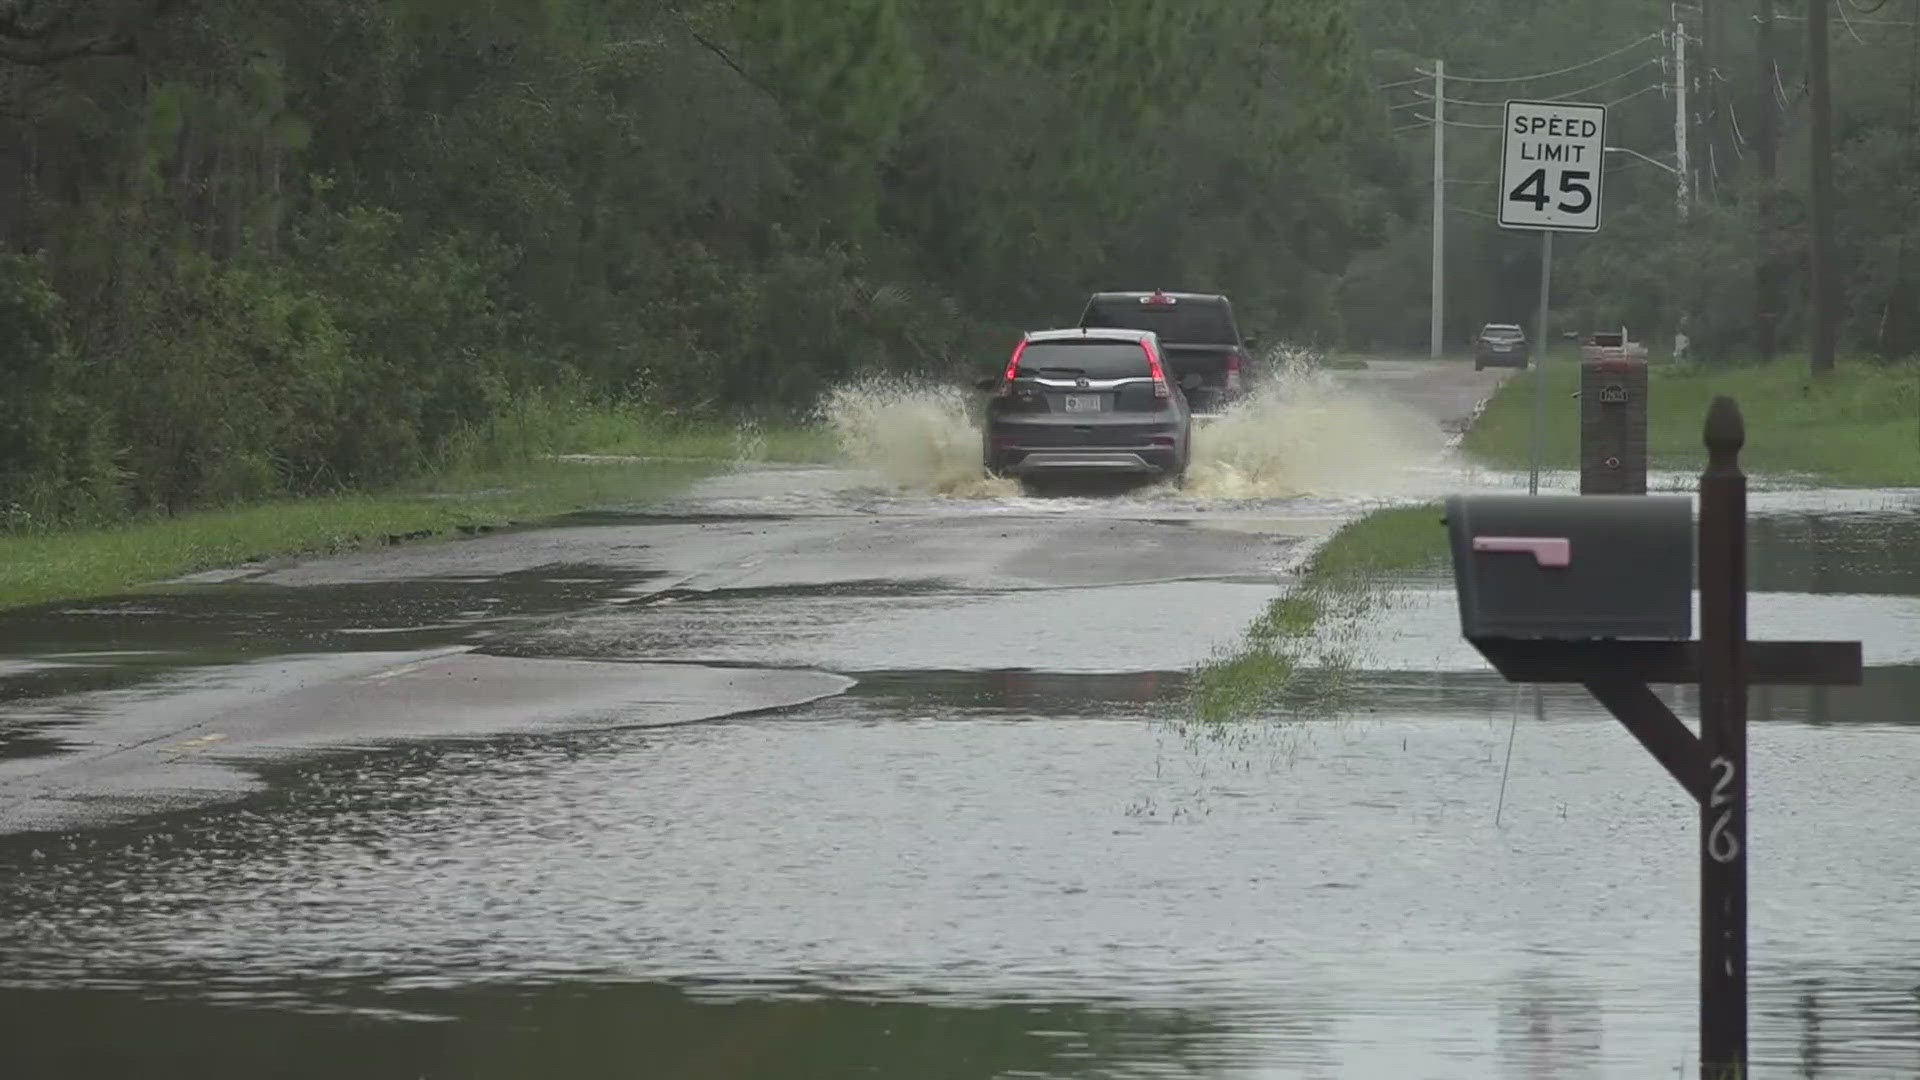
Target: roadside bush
418	314
55	457
228	388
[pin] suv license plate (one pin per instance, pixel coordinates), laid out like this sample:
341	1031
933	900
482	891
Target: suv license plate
1083	403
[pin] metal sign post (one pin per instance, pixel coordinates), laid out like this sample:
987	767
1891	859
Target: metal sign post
1712	766
1551	154
1540	367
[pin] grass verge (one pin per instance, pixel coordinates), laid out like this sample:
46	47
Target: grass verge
1299	658
618	431
503	477
1859	426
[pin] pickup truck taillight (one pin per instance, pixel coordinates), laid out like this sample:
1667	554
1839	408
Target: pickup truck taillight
1233	370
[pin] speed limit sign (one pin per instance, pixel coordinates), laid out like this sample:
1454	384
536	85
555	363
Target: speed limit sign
1551	154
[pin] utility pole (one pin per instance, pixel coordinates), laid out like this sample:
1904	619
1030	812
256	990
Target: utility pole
1710	98
1436	321
1680	116
1821	253
1766	277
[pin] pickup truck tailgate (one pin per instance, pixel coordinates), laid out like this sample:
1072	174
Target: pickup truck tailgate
1207	361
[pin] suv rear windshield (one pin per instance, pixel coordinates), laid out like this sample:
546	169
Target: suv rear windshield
1094	359
1502	333
1197	322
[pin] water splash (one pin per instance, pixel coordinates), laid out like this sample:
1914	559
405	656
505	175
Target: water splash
1303	432
749	444
915	435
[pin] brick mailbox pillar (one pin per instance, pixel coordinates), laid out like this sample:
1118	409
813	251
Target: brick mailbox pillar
1613	425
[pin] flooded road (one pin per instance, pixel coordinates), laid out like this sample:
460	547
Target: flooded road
937	817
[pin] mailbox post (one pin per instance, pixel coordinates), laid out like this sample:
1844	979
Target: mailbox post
1723	741
1613	423
1597	590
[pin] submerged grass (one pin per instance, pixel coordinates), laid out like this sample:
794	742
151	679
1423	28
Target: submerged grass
1859	426
1300	657
505	476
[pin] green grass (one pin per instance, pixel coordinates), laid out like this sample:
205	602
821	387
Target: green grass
503	477
620	431
1298	658
1393	542
1859	426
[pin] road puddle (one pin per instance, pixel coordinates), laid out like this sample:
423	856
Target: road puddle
1115	628
934	860
70	660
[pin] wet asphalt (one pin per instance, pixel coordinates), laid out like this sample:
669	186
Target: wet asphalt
805	576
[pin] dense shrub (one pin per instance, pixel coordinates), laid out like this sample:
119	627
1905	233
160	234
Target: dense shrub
285	246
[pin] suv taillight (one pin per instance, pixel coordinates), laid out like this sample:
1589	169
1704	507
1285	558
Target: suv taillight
1013	368
1160	387
1233	371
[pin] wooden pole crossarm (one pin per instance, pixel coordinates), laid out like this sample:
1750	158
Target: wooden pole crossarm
1650	721
1669	663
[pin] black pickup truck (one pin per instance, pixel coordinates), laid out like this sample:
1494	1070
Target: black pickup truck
1205	351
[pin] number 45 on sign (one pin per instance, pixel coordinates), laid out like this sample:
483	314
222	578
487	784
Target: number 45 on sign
1551	154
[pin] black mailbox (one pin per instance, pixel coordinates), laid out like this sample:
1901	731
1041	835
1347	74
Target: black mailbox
1577	567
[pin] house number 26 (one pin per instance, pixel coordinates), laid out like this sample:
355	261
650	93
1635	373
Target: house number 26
1722	845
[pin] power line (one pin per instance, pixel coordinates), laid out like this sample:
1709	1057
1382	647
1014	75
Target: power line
1629	47
1459	101
1462	123
1402	82
1863	22
1556	97
1647	89
1848	23
1595	86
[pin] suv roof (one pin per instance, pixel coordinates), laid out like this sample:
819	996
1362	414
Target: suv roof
1501	326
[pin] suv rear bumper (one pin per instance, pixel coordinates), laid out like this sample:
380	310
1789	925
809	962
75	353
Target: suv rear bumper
1009	457
1141	462
1052	443
1489	358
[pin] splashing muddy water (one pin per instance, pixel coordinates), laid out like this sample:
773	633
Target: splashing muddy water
1303	432
915	435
